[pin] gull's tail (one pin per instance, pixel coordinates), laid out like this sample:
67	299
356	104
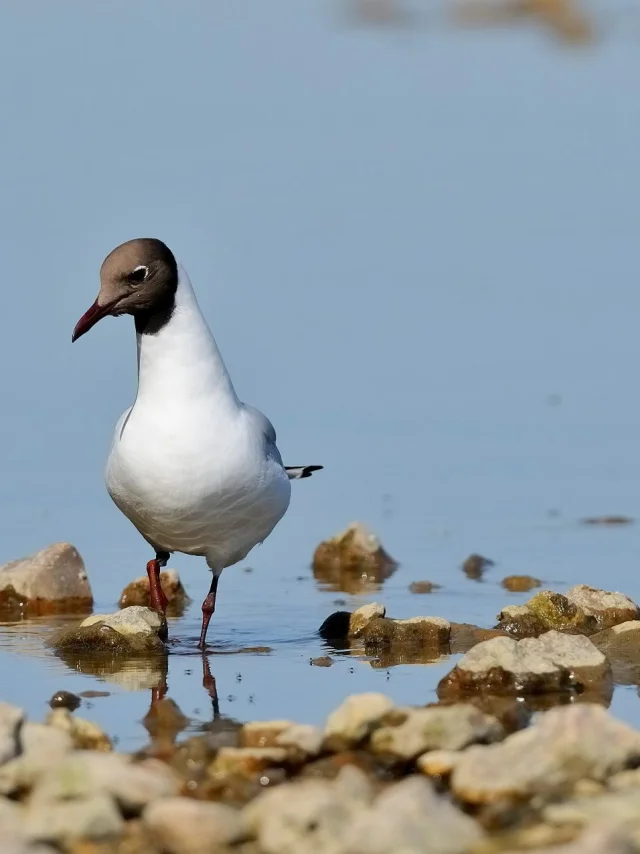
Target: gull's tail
296	472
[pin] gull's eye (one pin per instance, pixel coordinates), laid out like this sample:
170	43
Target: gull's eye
139	274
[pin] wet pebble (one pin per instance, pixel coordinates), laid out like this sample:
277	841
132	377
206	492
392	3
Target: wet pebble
520	583
65	700
475	566
419	587
322	661
352	559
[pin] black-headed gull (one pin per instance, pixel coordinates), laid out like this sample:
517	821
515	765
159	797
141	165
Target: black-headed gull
196	470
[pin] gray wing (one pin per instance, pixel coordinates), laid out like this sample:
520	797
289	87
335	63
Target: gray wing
268	431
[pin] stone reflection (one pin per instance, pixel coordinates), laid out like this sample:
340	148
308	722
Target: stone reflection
353	562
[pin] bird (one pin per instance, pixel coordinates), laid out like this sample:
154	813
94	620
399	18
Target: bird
196	470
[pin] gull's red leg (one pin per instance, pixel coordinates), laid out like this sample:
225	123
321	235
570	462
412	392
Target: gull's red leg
157	600
208	607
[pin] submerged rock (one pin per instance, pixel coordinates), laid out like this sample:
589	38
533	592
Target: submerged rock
475	566
565	745
551	663
352	560
137	593
52	581
420	587
132	631
520	583
65	700
435	728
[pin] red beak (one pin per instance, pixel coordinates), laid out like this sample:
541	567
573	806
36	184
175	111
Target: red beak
90	318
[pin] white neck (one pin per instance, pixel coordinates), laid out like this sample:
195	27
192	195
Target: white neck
181	361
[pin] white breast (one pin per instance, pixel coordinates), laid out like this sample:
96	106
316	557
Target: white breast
190	466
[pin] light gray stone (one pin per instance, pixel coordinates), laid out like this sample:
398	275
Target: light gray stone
310	815
361	616
134	620
186	826
411	818
56	572
435	728
303	737
131	784
608	608
566	745
551	662
42	747
62	822
357	718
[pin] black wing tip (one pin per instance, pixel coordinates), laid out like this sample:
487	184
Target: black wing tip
305	471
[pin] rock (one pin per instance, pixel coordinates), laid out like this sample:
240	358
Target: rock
11	720
304	738
511	711
618	809
310	815
85	735
130	632
51	581
621	645
131	784
352	560
553	662
438	763
65	700
355	720
520	583
546	611
607	520
185	826
165	720
420	587
436	728
94	818
322	661
464	636
418	632
475	565
409	817
10	820
41	748
609	609
565	745
262	733
137	593
363	616
597	840
246	761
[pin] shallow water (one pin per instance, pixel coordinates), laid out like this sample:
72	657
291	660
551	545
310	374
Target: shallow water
417	247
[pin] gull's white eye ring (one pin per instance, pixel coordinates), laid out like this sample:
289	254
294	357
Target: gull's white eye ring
139	274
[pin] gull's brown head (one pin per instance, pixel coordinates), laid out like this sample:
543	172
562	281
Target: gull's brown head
139	277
